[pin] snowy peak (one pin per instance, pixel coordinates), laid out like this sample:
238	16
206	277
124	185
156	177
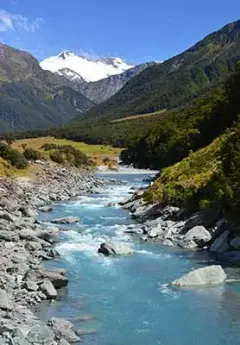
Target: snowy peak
68	64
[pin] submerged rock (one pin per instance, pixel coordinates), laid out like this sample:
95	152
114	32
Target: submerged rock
66	220
64	328
115	248
211	275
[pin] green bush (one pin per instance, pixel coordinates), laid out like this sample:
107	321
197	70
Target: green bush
57	157
68	154
31	154
49	147
14	157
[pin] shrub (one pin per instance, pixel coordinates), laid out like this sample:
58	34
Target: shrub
14	157
31	154
57	157
70	155
49	147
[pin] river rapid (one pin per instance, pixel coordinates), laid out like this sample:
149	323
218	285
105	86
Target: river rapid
126	300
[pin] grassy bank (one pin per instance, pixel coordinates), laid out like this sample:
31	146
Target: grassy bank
98	154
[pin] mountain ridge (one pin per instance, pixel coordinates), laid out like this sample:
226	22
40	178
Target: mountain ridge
176	80
90	70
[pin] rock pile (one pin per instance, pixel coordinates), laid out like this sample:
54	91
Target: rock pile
24	244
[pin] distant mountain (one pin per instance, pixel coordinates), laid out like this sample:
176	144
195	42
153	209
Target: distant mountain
101	90
97	80
73	66
31	98
177	80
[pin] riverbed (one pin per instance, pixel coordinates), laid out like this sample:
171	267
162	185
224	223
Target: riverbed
126	300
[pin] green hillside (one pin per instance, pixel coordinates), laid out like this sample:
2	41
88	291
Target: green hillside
177	80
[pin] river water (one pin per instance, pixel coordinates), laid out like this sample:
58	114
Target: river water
126	300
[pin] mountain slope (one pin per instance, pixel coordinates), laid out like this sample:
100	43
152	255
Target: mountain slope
176	80
101	90
32	98
88	69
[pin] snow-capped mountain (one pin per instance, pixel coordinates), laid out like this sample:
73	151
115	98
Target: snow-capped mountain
76	68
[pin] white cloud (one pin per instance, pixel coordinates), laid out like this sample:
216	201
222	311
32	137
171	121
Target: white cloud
12	21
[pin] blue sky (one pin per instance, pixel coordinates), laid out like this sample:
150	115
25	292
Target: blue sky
136	30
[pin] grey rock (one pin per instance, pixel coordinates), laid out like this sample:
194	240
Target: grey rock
199	234
7	235
45	209
155	232
206	218
56	277
221	243
168	243
5	301
48	289
235	242
40	334
7	216
30	286
187	244
211	275
63	328
33	246
66	220
115	248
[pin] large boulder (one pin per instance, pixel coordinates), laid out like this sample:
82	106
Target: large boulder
57	278
115	248
63	329
211	275
199	235
207	218
235	242
66	220
220	244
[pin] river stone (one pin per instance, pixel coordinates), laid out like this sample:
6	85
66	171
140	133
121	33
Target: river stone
7	216
115	248
198	234
220	244
66	220
7	235
48	289
235	242
30	286
56	277
211	275
155	232
45	209
40	334
168	243
63	329
5	301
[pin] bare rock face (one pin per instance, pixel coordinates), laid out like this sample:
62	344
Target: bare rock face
211	275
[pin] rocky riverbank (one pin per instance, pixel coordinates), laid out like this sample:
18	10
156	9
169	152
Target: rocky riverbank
24	244
171	226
